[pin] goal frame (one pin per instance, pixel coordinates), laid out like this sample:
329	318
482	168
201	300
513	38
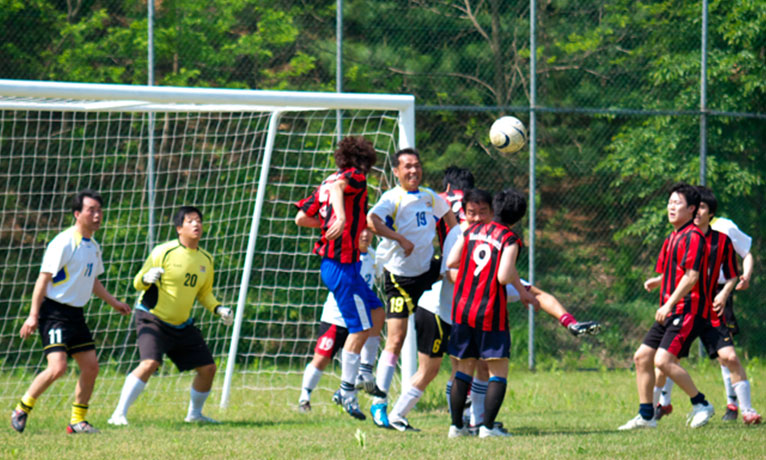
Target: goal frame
95	97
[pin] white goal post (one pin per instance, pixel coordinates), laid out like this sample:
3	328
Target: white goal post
242	156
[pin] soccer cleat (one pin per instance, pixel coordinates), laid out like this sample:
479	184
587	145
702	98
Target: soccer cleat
304	406
380	415
751	417
19	420
661	411
117	420
199	418
403	425
81	427
586	327
455	432
495	432
337	398
731	413
638	422
376	392
351	406
700	415
367	383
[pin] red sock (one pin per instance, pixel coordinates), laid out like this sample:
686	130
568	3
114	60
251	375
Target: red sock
567	319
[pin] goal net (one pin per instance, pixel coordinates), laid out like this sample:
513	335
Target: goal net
242	157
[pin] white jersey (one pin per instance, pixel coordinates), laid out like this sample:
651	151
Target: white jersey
414	216
438	299
330	312
74	262
739	239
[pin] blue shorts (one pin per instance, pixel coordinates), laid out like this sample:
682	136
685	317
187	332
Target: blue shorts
354	297
466	342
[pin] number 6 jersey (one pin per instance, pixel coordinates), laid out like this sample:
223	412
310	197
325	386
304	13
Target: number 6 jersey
480	300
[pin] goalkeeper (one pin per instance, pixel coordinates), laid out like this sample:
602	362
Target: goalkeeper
176	273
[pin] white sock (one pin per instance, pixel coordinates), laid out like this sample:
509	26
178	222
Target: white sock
370	351
349	369
405	403
731	395
196	401
311	378
132	387
667	390
478	395
386	369
742	389
656	396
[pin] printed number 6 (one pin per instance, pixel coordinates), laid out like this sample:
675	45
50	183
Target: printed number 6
481	257
437	344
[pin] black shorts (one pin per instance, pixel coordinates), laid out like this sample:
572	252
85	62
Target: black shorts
432	333
728	312
403	292
63	328
466	342
185	347
331	339
676	335
716	337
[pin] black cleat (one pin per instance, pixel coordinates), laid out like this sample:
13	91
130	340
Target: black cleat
661	411
304	406
377	392
731	413
403	425
19	420
586	327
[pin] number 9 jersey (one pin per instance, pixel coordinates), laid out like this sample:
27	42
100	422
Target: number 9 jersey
480	300
188	275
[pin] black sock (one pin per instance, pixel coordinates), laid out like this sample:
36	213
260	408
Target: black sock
494	399
646	411
699	399
460	387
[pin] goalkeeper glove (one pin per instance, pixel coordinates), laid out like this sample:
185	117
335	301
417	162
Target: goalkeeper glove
227	316
153	275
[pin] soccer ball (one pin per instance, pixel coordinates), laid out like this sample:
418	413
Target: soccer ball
508	134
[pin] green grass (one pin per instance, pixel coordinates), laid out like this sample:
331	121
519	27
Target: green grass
552	414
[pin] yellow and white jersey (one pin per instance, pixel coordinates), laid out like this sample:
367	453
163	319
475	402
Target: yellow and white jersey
414	216
74	262
188	276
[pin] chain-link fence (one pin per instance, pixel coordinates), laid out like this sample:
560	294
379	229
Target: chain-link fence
617	90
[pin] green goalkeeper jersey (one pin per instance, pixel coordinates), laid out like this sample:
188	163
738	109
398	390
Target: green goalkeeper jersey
188	276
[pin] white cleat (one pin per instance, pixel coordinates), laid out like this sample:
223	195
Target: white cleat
455	432
700	415
638	422
118	420
495	432
199	418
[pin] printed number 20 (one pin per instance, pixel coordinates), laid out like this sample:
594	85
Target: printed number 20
191	280
481	257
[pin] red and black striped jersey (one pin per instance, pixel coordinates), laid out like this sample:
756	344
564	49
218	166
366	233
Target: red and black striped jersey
683	250
454	199
721	259
479	299
345	249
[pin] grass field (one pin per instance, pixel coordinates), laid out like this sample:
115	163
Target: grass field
552	414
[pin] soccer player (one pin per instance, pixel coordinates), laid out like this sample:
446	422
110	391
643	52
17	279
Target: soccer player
339	207
485	258
333	333
679	320
405	217
69	274
716	336
174	275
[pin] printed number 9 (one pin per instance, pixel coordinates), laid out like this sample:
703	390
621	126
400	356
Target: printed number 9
397	304
481	257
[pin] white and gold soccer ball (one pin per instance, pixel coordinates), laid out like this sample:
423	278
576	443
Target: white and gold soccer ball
508	134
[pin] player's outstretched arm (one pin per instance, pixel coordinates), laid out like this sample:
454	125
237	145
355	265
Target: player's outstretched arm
303	220
30	325
747	272
652	283
100	291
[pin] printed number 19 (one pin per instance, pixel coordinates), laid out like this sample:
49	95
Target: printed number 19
421	218
481	257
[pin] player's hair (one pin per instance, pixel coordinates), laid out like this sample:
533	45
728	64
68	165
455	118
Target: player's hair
458	178
690	193
399	153
178	218
509	206
355	151
80	197
475	195
708	197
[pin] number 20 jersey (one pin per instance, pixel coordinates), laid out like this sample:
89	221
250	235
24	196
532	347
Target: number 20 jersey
480	300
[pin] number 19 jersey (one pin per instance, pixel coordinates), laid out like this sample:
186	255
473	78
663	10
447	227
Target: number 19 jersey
480	300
